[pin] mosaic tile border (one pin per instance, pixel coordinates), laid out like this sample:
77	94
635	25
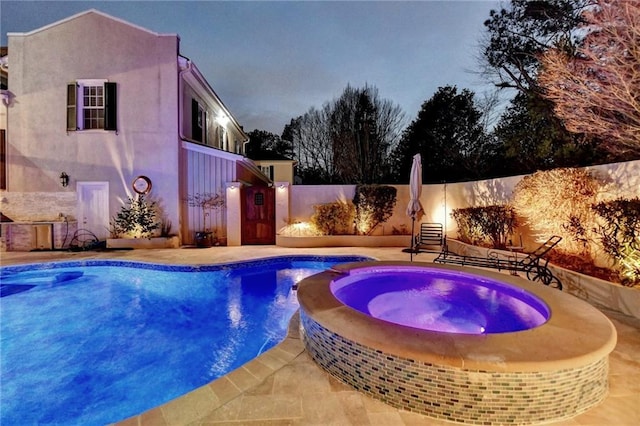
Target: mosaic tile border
454	394
268	261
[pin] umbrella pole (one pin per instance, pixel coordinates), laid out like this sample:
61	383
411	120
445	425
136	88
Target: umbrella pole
413	224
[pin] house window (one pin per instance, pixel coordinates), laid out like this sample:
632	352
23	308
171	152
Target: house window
198	122
93	107
222	138
91	104
267	171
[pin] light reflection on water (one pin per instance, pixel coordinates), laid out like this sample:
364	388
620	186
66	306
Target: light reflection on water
93	344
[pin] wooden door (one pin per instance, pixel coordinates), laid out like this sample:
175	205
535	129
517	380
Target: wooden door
258	215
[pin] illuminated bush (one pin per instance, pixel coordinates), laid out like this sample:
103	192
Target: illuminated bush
619	234
334	218
137	219
482	225
558	202
374	205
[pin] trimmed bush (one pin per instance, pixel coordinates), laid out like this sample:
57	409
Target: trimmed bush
558	202
619	234
374	205
334	218
486	225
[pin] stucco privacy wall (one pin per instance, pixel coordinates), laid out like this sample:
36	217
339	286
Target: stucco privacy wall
623	177
92	46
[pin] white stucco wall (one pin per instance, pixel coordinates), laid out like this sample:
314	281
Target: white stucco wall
624	179
92	46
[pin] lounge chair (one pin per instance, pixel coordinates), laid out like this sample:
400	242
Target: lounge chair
430	236
532	263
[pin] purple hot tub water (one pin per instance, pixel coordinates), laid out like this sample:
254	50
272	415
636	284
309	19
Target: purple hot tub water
438	300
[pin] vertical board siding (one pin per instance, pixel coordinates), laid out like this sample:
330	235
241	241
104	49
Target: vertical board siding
206	174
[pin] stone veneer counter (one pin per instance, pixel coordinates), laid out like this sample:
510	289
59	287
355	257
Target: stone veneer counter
550	372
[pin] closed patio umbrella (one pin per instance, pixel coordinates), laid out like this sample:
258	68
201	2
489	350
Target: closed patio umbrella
415	190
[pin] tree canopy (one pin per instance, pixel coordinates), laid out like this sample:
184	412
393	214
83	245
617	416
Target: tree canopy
573	66
448	133
348	140
596	91
516	36
265	144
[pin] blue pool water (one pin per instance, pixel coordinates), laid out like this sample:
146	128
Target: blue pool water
95	342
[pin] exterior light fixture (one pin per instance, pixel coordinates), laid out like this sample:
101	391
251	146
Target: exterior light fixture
222	120
64	179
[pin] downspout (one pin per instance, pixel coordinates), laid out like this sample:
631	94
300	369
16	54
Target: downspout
180	93
6	101
244	147
181	137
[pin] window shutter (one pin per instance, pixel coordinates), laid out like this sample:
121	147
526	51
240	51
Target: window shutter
196	130
72	107
204	127
110	106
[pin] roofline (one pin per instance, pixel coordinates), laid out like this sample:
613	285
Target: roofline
196	71
274	161
87	12
217	152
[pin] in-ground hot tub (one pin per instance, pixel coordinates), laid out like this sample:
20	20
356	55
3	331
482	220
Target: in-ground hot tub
462	368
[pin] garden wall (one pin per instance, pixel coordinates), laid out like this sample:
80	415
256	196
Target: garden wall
438	198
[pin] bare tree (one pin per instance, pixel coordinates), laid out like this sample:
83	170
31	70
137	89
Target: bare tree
309	137
364	130
596	92
347	141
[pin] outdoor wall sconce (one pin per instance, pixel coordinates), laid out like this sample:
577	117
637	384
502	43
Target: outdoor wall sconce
64	179
222	120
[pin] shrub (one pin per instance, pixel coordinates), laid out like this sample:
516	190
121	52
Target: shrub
334	218
138	218
619	235
374	205
558	202
469	230
476	225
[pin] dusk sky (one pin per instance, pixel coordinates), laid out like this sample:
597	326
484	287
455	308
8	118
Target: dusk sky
271	61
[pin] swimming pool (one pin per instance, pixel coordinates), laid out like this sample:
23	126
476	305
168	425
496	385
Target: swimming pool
98	341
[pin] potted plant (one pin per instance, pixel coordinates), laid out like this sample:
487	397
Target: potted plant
207	202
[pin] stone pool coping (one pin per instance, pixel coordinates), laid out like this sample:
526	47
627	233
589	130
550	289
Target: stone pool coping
195	405
576	334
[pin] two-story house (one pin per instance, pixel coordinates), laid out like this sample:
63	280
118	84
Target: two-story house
97	109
